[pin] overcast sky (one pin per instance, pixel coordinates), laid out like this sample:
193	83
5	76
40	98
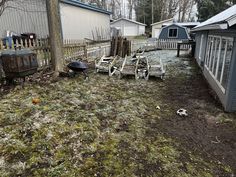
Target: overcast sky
125	11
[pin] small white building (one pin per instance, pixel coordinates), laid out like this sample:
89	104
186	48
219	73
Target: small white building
78	20
129	27
156	27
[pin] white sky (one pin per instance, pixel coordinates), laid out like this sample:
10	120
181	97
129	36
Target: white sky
126	11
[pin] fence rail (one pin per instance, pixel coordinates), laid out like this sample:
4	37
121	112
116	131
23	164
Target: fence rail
72	49
165	44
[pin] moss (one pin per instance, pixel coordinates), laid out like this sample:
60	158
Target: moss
103	127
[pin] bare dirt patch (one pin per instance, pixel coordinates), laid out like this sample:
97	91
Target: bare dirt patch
111	127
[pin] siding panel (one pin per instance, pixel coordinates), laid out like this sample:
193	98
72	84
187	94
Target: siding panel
231	107
78	23
25	16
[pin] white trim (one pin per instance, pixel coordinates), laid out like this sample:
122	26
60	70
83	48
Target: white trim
125	19
223	67
200	52
177	33
218	60
211	27
215	53
217	82
171	19
232	20
213	56
212	48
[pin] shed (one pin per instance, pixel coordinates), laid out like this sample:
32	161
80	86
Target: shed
174	31
156	27
129	27
216	55
78	20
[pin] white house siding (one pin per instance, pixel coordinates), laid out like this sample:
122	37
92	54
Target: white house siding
25	16
129	28
118	25
78	23
141	30
156	30
156	27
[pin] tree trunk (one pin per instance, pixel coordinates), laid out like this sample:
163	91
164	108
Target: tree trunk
55	35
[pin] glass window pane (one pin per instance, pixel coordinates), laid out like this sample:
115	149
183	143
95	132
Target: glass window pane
216	54
227	63
212	54
222	54
207	50
172	32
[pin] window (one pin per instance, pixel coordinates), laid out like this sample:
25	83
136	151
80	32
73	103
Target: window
218	58
200	52
221	60
209	48
228	55
173	33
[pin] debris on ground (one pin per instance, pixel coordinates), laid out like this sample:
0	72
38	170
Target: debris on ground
92	129
182	112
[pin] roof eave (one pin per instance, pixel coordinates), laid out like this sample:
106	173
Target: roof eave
129	21
86	6
163	21
231	21
222	26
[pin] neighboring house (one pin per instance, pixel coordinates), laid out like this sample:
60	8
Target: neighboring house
174	31
78	20
216	55
156	27
129	27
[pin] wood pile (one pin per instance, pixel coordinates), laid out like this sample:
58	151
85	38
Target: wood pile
120	46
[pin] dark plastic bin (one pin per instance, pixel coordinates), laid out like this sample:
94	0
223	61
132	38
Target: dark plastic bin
19	63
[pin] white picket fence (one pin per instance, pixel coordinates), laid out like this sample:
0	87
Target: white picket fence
164	44
98	51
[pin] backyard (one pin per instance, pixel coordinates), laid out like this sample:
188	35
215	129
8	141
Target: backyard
109	127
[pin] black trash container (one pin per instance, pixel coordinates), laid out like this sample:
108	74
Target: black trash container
19	63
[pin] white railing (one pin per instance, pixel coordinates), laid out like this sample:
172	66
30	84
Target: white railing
165	44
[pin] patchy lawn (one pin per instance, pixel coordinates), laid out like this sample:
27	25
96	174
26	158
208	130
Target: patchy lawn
110	127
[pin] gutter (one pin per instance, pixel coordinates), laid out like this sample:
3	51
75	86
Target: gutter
222	26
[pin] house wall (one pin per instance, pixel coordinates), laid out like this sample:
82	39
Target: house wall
201	45
231	106
80	23
182	33
141	29
129	28
227	98
28	16
156	29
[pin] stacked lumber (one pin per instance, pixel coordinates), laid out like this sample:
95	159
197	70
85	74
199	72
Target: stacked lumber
120	46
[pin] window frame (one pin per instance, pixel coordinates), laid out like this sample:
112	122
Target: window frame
213	55
201	43
177	33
